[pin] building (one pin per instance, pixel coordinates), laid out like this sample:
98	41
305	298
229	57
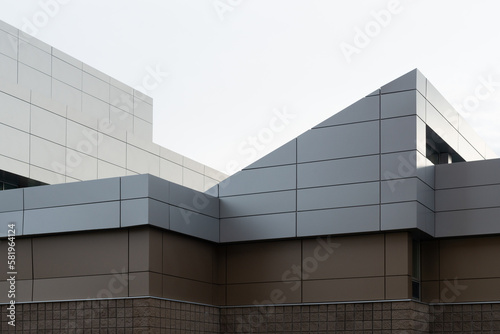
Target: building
383	218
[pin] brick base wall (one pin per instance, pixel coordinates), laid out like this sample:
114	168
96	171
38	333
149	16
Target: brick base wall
149	315
475	318
388	317
146	315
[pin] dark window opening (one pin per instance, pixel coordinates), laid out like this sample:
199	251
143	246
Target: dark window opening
13	181
438	151
415	290
415	274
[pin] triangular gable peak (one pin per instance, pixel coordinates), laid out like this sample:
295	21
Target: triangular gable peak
370	167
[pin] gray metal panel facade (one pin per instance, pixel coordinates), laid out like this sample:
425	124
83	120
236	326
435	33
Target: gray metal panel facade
262	227
134	212
401	165
468	198
411	80
72	193
72	218
338	221
110	203
340	171
402	128
335	142
362	170
467	222
258	204
284	155
145	185
366	109
357	194
145	211
469	174
259	180
193	200
194	224
12	200
408	189
407	215
11	217
399	104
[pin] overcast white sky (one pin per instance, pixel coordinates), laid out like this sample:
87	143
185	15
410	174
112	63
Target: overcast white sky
235	65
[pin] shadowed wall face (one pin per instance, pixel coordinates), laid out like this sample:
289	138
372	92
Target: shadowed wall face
131	262
329	269
461	270
145	261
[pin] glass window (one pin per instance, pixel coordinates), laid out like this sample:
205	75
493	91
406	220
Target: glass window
415	286
13	181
